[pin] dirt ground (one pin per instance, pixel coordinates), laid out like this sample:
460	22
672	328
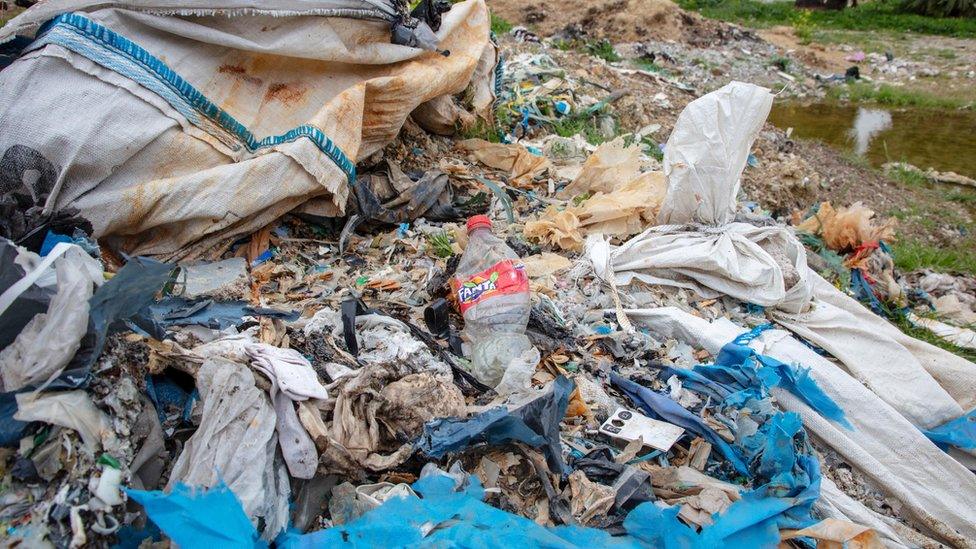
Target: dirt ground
615	20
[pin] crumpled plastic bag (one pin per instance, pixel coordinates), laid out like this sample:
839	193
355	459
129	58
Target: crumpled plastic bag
235	443
844	229
626	209
71	409
556	227
514	158
49	341
610	166
388	195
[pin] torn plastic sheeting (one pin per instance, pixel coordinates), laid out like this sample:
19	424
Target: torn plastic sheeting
960	432
662	407
536	424
71	409
292	379
176	311
236	443
198	518
738	368
446	517
32	301
833	533
123	297
388	195
455	515
130	290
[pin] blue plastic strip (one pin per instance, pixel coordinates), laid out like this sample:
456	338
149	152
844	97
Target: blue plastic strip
960	432
117	53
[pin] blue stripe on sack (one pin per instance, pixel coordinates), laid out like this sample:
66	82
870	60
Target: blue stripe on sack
183	90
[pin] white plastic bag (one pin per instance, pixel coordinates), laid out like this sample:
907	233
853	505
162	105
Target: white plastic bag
49	341
71	409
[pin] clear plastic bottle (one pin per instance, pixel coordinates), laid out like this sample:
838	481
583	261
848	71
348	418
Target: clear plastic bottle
493	293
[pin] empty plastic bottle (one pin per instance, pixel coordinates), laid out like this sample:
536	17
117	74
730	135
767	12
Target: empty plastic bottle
492	290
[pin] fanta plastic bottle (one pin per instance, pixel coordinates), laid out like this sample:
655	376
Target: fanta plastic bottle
492	291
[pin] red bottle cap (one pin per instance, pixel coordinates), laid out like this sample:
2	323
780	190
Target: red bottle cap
477	222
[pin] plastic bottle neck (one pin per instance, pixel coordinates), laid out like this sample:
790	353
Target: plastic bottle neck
479	230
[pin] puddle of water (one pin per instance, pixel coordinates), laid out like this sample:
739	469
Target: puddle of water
944	140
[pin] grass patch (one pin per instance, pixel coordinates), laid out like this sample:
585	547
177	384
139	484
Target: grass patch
562	44
962	197
925	335
481	130
910	178
584	125
912	255
781	63
604	50
876	15
649	66
440	244
500	26
864	92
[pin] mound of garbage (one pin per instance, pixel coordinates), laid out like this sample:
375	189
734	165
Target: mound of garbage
257	289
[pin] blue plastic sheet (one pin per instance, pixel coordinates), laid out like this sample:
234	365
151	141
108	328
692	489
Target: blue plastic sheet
536	424
781	463
199	518
449	515
960	432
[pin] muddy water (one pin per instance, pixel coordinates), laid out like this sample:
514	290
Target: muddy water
944	140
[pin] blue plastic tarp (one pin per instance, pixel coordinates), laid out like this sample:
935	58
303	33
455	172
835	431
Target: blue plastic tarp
197	518
535	424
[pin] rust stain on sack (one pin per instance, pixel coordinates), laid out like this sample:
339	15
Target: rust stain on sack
240	73
284	92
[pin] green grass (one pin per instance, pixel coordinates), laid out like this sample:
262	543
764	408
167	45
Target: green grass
481	130
865	92
500	26
584	125
912	255
875	15
910	178
781	63
962	197
562	44
604	50
440	244
649	66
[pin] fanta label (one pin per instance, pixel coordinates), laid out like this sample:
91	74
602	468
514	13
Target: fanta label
503	278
